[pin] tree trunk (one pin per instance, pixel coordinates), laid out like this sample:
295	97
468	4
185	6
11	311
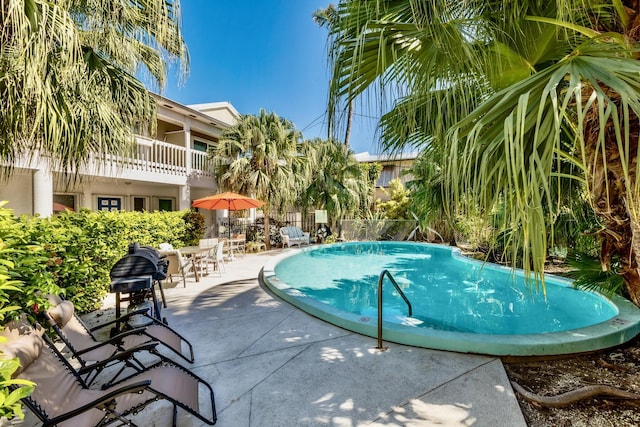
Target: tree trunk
347	134
632	277
613	199
267	229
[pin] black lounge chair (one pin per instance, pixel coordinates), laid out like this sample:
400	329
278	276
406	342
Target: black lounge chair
62	398
80	340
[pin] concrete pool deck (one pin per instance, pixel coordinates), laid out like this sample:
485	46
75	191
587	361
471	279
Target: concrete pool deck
271	364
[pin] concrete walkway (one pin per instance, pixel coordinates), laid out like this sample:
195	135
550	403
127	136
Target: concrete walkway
273	365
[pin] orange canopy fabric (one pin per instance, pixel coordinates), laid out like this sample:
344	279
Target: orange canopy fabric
59	207
228	200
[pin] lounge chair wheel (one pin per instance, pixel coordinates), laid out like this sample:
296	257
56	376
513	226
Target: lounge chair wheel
164	320
113	332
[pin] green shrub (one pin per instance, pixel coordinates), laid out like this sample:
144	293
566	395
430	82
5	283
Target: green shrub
26	264
10	404
73	253
9	399
194	227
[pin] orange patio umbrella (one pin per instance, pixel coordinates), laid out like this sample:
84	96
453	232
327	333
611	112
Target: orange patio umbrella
59	207
228	200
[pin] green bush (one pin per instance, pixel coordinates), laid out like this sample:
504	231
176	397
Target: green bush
10	405
397	207
73	253
194	227
9	399
27	266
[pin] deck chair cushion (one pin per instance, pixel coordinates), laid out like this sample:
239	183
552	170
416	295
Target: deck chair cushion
26	348
61	313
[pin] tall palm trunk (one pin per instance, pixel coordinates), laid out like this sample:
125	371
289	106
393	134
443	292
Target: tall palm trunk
347	134
267	228
614	200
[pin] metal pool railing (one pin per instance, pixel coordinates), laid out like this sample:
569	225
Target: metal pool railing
404	297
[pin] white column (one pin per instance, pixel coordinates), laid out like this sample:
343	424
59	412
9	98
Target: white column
87	200
187	144
43	192
184	201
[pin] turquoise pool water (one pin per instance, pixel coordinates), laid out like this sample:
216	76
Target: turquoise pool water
470	305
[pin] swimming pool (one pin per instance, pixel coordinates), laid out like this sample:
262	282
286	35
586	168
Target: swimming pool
459	304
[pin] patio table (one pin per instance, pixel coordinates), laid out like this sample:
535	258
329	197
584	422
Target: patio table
197	254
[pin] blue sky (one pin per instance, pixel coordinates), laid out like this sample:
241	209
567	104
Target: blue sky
262	54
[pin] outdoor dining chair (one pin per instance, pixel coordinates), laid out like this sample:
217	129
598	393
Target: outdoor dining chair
239	244
87	350
62	398
215	257
178	265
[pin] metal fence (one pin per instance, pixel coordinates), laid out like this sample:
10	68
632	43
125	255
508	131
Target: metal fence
352	229
358	229
378	229
305	222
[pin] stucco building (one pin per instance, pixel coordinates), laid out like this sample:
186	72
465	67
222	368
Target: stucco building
166	172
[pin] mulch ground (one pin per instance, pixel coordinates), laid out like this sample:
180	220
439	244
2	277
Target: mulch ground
618	367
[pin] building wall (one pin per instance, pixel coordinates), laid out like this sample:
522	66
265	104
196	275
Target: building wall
18	192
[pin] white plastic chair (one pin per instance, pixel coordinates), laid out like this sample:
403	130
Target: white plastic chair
216	257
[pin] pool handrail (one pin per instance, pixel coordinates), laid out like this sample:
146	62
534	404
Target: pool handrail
404	297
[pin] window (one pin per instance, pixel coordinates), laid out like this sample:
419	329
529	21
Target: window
109	203
200	146
165	205
64	202
139	204
386	176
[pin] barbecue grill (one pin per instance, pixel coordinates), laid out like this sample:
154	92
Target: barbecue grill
136	274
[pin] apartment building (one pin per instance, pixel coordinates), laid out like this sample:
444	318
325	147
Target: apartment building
393	166
166	172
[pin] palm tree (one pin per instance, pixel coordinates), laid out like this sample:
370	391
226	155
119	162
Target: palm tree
328	17
519	96
336	181
259	156
68	75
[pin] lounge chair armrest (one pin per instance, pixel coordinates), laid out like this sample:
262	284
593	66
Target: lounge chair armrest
119	357
101	403
121	319
115	340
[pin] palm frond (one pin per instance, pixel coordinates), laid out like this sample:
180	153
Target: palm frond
588	275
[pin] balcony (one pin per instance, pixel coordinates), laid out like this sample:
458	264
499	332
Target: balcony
153	160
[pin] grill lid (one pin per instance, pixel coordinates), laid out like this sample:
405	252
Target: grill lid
140	261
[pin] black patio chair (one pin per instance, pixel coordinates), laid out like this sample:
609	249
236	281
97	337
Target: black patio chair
87	350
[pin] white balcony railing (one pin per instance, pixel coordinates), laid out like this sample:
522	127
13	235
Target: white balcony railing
160	157
150	156
201	163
